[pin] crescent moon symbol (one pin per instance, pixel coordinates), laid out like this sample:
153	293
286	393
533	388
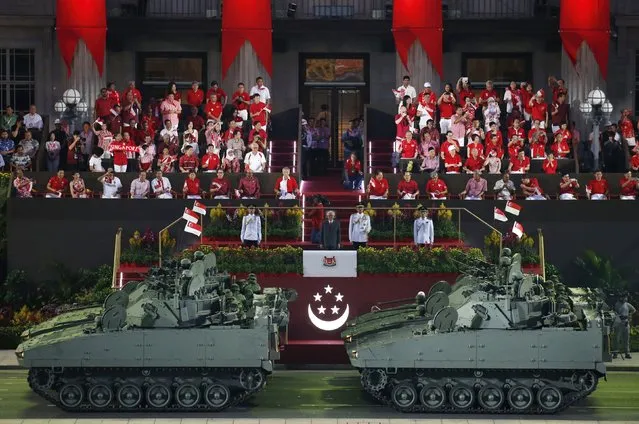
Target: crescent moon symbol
328	325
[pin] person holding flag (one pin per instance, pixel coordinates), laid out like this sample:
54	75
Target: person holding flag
251	234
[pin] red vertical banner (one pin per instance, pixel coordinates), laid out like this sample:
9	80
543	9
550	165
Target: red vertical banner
247	20
82	20
586	21
419	20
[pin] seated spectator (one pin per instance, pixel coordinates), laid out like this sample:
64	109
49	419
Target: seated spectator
259	111
230	132
493	131
241	100
436	188
568	188
213	109
140	187
537	150
537	134
426	145
477	130
354	173
378	187
519	164
29	145
57	186
210	160
166	161
474	162
628	187
255	160
213	135
430	163
20	160
220	186
131	109
476	188
33	123
219	93
531	189
146	154
191	188
23	185
475	143
407	189
495	145
445	148
408	151
234	152
258	133
597	189
504	189
77	187
189	162
134	91
161	186
491	113
111	185
95	163
195	119
286	185
248	187
493	163
550	164
560	147
403	123
169	138
516	137
190	138
432	130
452	161
195	96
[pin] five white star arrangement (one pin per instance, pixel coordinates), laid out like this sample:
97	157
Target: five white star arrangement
318	298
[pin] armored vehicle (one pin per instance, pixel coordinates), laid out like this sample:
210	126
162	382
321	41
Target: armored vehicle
498	341
185	338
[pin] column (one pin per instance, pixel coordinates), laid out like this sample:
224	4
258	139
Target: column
85	77
421	69
245	68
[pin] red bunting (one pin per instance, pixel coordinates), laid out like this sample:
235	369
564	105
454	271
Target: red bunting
82	20
247	20
419	20
586	21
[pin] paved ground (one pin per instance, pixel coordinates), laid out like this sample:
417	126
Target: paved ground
320	395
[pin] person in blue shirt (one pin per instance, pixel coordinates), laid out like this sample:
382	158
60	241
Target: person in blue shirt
7	147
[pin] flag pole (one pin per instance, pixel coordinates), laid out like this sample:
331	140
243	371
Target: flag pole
542	253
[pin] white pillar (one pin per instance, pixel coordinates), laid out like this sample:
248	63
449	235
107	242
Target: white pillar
85	77
245	68
421	69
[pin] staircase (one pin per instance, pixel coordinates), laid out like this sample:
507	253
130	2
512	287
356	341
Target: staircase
379	155
282	153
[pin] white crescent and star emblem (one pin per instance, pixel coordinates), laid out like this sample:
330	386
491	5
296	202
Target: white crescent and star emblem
328	325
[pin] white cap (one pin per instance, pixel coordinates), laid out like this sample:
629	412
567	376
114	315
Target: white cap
57	121
426	85
451	148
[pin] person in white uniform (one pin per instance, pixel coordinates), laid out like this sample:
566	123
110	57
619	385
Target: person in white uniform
423	231
111	185
251	234
359	226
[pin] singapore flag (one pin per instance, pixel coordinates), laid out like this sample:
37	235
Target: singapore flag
328	311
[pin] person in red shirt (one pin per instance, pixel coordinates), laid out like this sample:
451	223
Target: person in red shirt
597	189
526	93
195	96
241	100
474	162
539	109
452	161
436	188
378	187
191	189
210	160
516	137
131	89
560	147
259	111
493	144
286	186
628	187
558	88
220	186
113	94
531	189
103	105
487	93
568	188
408	149
316	215
446	104
213	109
519	164
475	143
537	150
634	162
407	189
219	93
258	133
464	91
189	162
403	123
118	147
354	174
154	122
196	119
627	128
550	164
114	122
57	186
446	145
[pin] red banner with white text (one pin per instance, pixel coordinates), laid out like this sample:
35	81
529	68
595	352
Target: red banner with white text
247	20
586	21
81	20
419	20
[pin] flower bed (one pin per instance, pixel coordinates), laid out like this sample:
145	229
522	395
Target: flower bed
281	224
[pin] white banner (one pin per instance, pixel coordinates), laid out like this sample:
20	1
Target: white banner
330	263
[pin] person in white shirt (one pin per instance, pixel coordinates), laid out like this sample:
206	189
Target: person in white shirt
359	226
161	186
262	90
255	159
423	232
251	234
405	90
111	185
95	163
140	187
33	121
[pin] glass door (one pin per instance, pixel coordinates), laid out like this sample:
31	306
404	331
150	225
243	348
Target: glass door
349	108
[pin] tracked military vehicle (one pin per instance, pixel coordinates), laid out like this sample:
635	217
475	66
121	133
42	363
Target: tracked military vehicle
185	338
498	341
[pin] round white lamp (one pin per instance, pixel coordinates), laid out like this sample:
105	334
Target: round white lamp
59	107
82	107
607	107
596	97
71	97
585	108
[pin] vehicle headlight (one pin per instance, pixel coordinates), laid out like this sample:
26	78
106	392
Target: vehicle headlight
20	354
348	339
354	354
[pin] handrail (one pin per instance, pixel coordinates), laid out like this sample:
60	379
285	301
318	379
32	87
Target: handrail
297	161
117	249
365	160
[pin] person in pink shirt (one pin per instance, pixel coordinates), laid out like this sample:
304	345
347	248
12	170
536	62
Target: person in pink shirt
170	109
458	125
